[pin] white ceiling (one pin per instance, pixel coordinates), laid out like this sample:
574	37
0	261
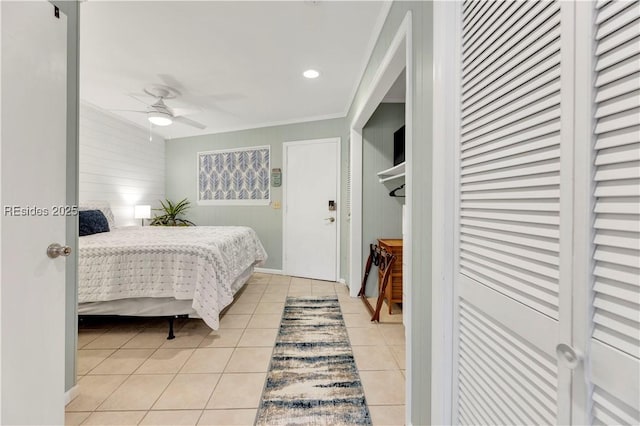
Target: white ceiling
239	63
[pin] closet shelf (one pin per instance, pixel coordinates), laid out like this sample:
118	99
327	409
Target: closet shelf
395	172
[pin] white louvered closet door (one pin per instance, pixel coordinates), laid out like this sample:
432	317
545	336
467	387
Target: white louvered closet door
513	288
615	339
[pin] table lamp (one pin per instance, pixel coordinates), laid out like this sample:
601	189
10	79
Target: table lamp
142	212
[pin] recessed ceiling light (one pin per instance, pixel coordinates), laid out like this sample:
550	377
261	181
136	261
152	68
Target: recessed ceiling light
311	73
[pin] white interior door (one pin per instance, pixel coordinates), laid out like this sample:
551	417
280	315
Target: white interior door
34	105
310	225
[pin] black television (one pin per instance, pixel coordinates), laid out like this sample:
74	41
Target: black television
398	146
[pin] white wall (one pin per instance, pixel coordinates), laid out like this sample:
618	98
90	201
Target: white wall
119	164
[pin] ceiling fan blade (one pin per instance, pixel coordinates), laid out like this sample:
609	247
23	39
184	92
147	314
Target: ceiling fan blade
189	122
128	110
137	97
184	111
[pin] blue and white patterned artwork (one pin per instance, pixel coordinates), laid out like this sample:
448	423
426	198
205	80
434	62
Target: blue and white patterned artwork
239	176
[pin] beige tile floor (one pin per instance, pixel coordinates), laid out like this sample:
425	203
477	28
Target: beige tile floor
128	373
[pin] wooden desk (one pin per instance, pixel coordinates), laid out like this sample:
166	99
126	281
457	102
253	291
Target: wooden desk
393	292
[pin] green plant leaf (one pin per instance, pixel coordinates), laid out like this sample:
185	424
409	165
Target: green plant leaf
171	213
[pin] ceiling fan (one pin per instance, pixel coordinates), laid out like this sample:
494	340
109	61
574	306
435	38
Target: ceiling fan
161	114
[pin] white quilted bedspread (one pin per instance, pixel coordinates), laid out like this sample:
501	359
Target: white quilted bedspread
199	263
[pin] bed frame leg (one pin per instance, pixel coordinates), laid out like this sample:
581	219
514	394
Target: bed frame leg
171	335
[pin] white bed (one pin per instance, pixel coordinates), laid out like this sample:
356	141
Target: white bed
165	271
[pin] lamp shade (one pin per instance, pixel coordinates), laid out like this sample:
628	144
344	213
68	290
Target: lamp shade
142	212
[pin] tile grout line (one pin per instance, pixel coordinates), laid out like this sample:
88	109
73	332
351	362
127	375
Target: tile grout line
227	363
116	388
278	295
266	377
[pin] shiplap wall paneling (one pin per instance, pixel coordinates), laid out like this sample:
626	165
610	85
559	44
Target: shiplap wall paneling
615	354
119	164
509	224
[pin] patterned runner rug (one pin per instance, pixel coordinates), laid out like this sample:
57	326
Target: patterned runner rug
313	379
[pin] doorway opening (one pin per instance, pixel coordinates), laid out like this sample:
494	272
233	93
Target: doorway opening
396	64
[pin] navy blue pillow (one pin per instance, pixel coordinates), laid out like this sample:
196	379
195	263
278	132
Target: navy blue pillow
92	222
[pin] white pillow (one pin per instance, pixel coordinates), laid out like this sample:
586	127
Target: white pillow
103	206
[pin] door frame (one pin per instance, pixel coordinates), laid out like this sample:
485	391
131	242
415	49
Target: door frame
0	227
398	57
72	10
447	42
285	147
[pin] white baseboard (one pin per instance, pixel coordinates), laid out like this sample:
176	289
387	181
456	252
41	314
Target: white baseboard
71	394
279	272
268	271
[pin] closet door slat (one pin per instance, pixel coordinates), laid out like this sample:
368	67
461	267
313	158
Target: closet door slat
509	212
615	339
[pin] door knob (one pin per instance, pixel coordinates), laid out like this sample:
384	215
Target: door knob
55	250
569	356
330	219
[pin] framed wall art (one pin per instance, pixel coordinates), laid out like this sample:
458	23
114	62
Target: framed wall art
239	176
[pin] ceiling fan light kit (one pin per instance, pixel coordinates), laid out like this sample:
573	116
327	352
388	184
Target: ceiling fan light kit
159	118
159	113
311	73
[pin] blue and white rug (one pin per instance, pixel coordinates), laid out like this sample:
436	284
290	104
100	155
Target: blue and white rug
313	379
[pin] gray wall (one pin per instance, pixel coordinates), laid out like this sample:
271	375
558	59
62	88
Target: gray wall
381	214
421	216
181	178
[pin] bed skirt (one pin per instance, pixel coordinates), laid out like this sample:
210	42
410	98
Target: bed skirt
152	306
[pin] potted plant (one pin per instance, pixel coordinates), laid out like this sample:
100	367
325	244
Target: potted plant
171	213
